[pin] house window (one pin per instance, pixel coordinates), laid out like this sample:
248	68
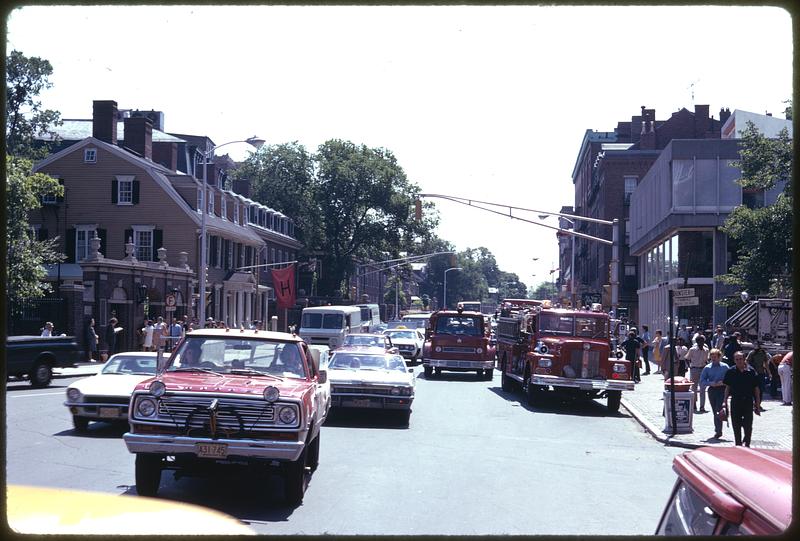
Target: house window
143	242
235	213
630	186
223	207
124	190
199	199
90	155
83	233
219	253
210	209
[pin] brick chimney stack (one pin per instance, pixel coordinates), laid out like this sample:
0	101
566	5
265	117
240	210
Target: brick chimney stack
702	126
104	120
724	115
647	139
139	136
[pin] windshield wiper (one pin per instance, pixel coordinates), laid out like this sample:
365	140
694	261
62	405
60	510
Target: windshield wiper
194	369
251	372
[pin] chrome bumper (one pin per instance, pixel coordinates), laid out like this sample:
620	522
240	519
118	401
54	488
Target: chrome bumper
466	365
98	411
170	445
585	384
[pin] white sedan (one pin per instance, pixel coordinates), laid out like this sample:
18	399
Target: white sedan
407	341
105	396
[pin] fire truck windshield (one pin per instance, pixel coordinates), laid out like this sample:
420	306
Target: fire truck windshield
567	325
470	326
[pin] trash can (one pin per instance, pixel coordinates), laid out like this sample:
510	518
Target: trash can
684	406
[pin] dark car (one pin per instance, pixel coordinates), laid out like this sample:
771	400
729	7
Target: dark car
36	356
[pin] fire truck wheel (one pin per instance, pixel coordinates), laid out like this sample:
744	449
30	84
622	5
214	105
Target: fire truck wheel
505	381
534	394
614	398
428	371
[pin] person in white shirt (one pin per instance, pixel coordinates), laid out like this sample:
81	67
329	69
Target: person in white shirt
48	329
160	332
698	359
148	331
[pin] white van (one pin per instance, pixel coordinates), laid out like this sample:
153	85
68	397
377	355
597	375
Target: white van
370	316
419	320
328	325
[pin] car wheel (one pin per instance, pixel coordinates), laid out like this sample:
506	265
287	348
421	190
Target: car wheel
614	399
438	371
42	374
428	370
148	474
488	374
295	479
313	452
80	423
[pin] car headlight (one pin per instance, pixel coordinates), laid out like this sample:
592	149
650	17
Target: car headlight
407	391
287	415
157	388
478	350
545	363
271	393
146	407
438	349
395	391
73	394
619	367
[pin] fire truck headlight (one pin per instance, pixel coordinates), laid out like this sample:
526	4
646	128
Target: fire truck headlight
146	407
619	354
545	363
620	367
438	349
478	350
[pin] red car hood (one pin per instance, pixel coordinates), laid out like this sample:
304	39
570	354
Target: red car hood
228	383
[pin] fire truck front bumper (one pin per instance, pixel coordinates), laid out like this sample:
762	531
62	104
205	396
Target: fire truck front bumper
583	383
454	364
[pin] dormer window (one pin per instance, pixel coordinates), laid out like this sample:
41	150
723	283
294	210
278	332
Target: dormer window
236	213
210	209
90	155
223	208
199	199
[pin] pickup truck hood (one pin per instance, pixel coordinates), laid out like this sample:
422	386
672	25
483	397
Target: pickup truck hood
229	383
373	377
109	385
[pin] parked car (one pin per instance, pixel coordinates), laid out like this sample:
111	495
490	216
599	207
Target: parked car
370	340
229	401
408	342
729	491
371	380
105	396
43	511
35	357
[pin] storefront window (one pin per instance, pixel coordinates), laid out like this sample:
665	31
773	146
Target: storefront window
696	253
673	269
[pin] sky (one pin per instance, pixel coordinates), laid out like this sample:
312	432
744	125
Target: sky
488	103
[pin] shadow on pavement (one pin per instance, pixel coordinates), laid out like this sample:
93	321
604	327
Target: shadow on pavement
24	385
554	403
98	429
355	418
469	377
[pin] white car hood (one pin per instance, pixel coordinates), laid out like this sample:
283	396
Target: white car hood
405	341
109	385
374	377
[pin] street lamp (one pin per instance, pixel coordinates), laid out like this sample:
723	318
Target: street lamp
256	143
444	299
572	259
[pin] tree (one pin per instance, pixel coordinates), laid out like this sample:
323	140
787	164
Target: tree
27	257
763	235
545	290
25	118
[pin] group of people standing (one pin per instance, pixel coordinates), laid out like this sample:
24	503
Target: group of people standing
162	335
93	343
722	371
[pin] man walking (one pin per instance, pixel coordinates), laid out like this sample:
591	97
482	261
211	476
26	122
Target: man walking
718	341
711	378
757	359
631	347
646	338
698	358
741	385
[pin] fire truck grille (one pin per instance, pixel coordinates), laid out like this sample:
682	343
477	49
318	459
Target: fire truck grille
576	362
455	349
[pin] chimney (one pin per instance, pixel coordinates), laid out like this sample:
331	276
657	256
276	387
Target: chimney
166	154
104	120
139	136
647	139
701	123
724	115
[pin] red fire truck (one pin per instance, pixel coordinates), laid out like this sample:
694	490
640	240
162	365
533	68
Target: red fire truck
539	347
457	340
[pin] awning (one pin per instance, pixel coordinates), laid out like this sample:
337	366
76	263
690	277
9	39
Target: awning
69	271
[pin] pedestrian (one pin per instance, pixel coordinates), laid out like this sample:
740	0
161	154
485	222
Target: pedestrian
90	338
646	339
741	385
632	345
732	346
683	333
678	360
147	331
209	323
110	337
785	372
711	379
774	376
718	340
160	333
175	334
47	330
698	359
757	359
658	345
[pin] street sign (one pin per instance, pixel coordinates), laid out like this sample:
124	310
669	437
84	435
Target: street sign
685	292
170	308
686	301
170	301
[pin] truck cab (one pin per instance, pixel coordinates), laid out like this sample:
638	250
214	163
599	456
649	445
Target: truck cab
458	341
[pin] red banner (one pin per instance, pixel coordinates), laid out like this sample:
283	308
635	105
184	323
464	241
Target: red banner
283	282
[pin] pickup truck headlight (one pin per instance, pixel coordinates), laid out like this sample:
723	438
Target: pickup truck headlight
478	350
406	391
73	394
438	349
619	367
545	363
146	407
271	393
157	388
287	415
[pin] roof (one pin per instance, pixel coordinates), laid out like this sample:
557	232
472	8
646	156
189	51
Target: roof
735	478
350	309
245	334
77	129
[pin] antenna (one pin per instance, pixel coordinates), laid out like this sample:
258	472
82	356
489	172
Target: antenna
691	89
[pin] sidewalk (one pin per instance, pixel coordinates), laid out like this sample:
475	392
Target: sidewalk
772	430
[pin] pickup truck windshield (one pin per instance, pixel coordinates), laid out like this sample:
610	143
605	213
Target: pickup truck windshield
228	355
322	321
470	326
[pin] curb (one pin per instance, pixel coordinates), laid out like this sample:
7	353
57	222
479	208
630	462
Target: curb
655	432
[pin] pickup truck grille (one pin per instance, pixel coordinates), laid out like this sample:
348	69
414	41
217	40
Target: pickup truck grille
231	413
458	349
405	347
576	362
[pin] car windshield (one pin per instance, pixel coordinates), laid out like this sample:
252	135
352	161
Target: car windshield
235	355
130	364
410	335
591	327
467	325
364	340
345	360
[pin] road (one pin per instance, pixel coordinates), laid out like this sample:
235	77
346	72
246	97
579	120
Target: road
473	461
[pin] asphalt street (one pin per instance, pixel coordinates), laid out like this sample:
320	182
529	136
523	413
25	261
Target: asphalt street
473	461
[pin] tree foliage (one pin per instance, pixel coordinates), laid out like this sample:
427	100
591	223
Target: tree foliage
763	235
26	77
27	256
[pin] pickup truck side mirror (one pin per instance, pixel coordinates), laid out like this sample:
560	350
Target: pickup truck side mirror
322	377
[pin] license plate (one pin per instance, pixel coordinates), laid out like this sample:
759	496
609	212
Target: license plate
212	450
361	402
109	412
